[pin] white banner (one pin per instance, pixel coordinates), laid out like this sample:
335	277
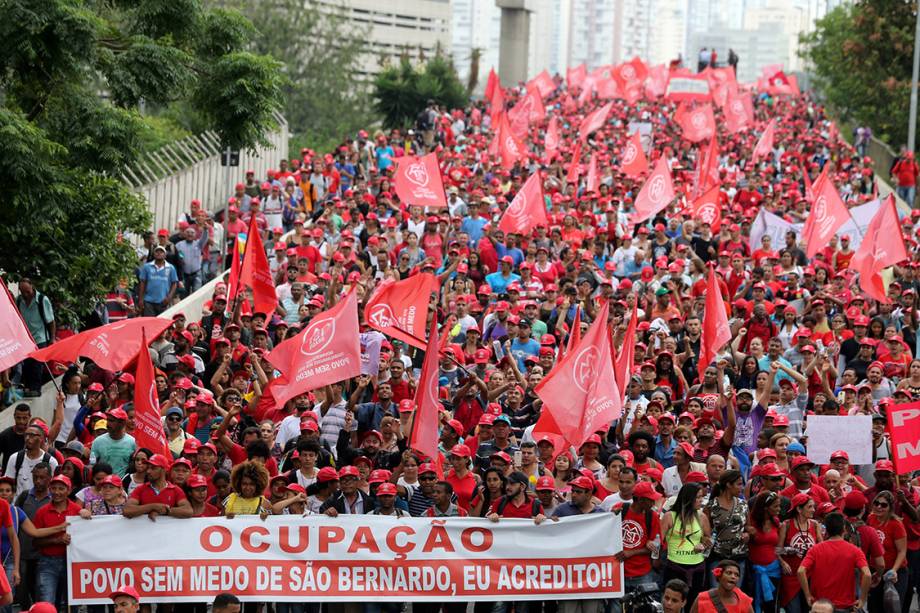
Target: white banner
775	226
350	558
830	433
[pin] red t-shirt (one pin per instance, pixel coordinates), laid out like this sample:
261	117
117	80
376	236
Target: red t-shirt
209	511
170	495
48	516
525	511
636	537
815	492
828	562
237	455
464	488
888	534
6	518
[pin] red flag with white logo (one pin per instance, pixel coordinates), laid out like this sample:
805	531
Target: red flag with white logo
148	429
630	77
418	181
764	146
581	391
544	84
527	210
510	149
16	342
111	347
657	83
715	323
255	272
551	142
881	247
326	351
594	121
706	174
706	208
425	426
696	123
738	111
593	179
656	194
828	214
400	308
633	162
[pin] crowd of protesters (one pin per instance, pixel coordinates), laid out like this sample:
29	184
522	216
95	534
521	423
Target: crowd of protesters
722	508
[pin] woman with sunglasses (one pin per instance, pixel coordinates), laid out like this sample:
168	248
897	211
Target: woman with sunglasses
894	545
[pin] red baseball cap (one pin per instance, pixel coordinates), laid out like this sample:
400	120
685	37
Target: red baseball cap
583	483
545	483
644	489
884	466
126	590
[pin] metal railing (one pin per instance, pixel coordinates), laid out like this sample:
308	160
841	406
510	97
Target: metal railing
171	177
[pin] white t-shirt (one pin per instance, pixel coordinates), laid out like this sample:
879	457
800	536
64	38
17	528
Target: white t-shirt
24	480
72	406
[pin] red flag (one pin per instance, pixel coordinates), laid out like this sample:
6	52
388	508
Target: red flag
764	147
510	149
593	121
633	161
148	430
547	428
656	194
256	274
400	308
696	123
574	332
111	347
607	88
882	246
715	323
574	171
16	342
418	181
424	437
327	351
739	112
527	210
624	361
537	108
544	84
574	77
236	255
492	84
657	83
519	117
828	213
551	142
707	169
630	77
904	432
581	391
594	180
706	208
568	105
809	189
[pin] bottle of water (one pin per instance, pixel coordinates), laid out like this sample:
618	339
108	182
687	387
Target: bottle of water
656	547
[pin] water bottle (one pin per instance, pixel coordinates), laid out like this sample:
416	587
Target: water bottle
656	547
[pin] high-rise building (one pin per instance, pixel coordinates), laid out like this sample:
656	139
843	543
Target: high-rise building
476	24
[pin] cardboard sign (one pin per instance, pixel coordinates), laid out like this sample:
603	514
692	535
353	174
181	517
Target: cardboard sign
830	433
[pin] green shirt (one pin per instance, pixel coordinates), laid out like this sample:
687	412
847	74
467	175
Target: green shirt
115	452
33	317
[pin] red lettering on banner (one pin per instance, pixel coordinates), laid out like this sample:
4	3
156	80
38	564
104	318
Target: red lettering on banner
393	544
225	539
466	537
284	539
363	539
246	539
438	539
329	535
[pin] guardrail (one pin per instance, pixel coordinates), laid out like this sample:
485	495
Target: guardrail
171	177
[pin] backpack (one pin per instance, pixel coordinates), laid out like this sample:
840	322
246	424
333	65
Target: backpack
534	506
40	299
21	458
648	517
851	532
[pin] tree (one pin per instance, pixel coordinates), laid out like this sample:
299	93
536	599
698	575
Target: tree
401	92
66	219
862	55
323	56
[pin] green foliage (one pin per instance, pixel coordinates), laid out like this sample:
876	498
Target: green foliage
65	215
862	55
401	92
322	53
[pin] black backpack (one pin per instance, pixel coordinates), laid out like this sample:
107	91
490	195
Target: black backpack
648	517
851	532
534	506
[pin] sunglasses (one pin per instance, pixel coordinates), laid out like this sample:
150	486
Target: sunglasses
880	504
173	418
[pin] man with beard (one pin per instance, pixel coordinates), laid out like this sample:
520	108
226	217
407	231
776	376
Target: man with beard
707	444
749	419
370	414
881	386
641	444
802	483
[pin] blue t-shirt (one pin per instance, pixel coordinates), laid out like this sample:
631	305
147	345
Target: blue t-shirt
158	280
6	546
385	157
521	350
499	283
473	226
567	509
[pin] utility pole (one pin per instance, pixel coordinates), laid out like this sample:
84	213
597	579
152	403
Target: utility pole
915	75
